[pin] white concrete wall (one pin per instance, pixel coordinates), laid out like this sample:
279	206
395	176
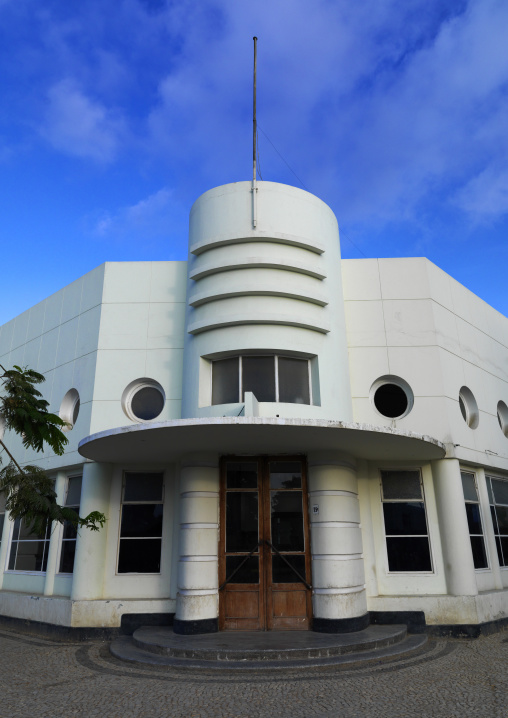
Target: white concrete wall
58	337
140	336
406	317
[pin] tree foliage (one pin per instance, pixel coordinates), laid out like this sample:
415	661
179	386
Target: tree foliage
29	491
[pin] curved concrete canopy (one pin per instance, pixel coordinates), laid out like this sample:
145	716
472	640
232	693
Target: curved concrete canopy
167	441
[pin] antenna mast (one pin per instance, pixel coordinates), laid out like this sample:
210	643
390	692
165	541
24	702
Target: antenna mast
254	137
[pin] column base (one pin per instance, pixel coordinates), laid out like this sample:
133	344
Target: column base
190	628
340	625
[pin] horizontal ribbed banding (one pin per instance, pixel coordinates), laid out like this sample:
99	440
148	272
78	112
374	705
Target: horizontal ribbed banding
204	270
200	298
233	321
279	238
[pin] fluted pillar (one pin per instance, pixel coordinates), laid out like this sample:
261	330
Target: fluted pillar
197	601
339	600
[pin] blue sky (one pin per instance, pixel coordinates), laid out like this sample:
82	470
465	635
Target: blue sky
117	114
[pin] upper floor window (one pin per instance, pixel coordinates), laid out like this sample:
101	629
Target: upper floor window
271	378
498	497
474	519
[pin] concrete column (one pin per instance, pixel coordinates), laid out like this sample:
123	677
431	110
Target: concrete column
368	538
56	537
197	600
339	600
457	556
89	563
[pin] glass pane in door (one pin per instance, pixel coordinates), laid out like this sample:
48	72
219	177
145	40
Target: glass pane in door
287	520
241	521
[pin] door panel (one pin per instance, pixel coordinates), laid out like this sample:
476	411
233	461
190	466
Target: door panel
264	566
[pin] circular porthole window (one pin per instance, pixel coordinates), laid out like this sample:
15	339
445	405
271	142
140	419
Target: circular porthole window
392	397
69	409
143	400
502	417
469	407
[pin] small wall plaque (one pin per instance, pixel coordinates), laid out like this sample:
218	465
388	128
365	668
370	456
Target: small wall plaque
315	509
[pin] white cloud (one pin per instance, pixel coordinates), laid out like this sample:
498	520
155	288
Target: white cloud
486	195
78	125
147	220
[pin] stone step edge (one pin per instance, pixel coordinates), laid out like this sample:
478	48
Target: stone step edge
124	649
264	655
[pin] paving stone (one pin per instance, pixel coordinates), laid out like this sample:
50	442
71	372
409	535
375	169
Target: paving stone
446	678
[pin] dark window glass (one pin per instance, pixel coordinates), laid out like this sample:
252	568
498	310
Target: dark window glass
27	553
2	517
408	553
479	553
499	551
401	485
140	520
405	518
69	531
67	556
30	556
285	475
474	520
142	487
469	486
258	376
147	403
294	380
73	491
390	400
500	489
241	520
287	520
225	381
75	411
139	556
282	573
502	519
248	573
494	519
141	524
242	475
504	548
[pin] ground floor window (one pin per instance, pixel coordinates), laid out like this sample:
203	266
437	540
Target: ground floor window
498	497
405	520
29	551
141	523
72	501
474	519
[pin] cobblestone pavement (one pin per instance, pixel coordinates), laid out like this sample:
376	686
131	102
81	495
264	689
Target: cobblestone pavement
44	679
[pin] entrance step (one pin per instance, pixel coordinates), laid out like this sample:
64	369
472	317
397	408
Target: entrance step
263	650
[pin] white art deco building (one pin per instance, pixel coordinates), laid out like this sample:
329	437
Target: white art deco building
279	439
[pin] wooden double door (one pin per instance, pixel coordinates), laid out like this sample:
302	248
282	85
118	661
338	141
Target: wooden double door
264	553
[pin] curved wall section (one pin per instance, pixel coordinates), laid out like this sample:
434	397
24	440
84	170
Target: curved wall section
270	289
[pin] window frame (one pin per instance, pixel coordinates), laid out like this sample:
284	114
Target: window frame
47	541
401	469
276	358
137	503
495	525
63	539
482	519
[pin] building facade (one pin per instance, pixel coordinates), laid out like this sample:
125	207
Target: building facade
280	439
